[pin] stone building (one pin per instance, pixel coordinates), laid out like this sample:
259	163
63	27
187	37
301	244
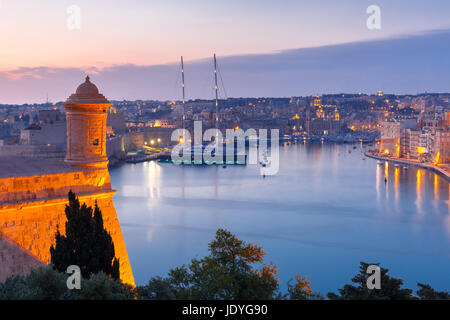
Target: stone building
427	144
390	138
398	136
322	119
44	134
441	141
33	191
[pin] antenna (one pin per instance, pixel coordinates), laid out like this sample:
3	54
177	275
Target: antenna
182	86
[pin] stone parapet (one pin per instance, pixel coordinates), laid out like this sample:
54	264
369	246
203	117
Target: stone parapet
45	186
31	225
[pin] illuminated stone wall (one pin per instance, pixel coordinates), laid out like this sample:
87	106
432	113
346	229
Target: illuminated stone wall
15	260
41	186
31	208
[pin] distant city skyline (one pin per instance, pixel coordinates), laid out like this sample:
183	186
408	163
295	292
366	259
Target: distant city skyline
265	48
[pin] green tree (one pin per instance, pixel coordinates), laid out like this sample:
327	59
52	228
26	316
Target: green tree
101	287
232	270
86	243
156	289
426	292
390	288
46	283
43	283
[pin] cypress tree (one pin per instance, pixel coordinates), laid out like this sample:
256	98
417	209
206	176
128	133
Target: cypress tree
86	243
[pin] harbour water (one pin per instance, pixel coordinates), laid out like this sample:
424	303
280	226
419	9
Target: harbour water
326	210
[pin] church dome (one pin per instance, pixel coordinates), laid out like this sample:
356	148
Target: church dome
87	92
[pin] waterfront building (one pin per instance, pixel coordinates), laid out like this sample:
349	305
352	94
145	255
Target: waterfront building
416	144
398	137
404	139
442	146
390	138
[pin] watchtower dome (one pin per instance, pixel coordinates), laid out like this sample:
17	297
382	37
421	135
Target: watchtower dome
86	113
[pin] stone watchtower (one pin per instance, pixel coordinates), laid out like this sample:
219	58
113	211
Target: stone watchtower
33	191
86	113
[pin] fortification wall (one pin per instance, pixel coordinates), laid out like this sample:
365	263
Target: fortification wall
15	260
32	208
43	186
35	151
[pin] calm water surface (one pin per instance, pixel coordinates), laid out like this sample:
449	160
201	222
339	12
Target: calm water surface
324	212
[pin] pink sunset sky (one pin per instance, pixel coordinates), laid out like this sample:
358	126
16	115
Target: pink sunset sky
34	34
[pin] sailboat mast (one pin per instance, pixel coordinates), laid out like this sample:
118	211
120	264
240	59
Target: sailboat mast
217	93
182	86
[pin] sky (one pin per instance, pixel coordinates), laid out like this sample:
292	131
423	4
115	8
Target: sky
142	41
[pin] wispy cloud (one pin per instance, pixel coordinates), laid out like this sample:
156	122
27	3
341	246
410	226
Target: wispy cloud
408	64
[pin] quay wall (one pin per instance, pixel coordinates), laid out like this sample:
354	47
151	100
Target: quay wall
428	166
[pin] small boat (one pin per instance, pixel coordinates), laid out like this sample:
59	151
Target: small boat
379	162
396	165
405	168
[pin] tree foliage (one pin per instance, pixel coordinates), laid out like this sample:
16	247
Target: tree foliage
426	292
302	290
86	243
390	287
157	289
46	283
232	270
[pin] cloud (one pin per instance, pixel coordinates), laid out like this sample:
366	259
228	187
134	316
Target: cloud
409	64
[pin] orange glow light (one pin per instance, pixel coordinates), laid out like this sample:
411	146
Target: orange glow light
436	160
421	150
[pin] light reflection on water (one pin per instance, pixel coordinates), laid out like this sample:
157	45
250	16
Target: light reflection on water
325	211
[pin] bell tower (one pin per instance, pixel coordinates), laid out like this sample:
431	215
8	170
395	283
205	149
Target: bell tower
86	113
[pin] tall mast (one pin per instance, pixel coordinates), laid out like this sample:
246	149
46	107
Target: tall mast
217	94
218	152
182	86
